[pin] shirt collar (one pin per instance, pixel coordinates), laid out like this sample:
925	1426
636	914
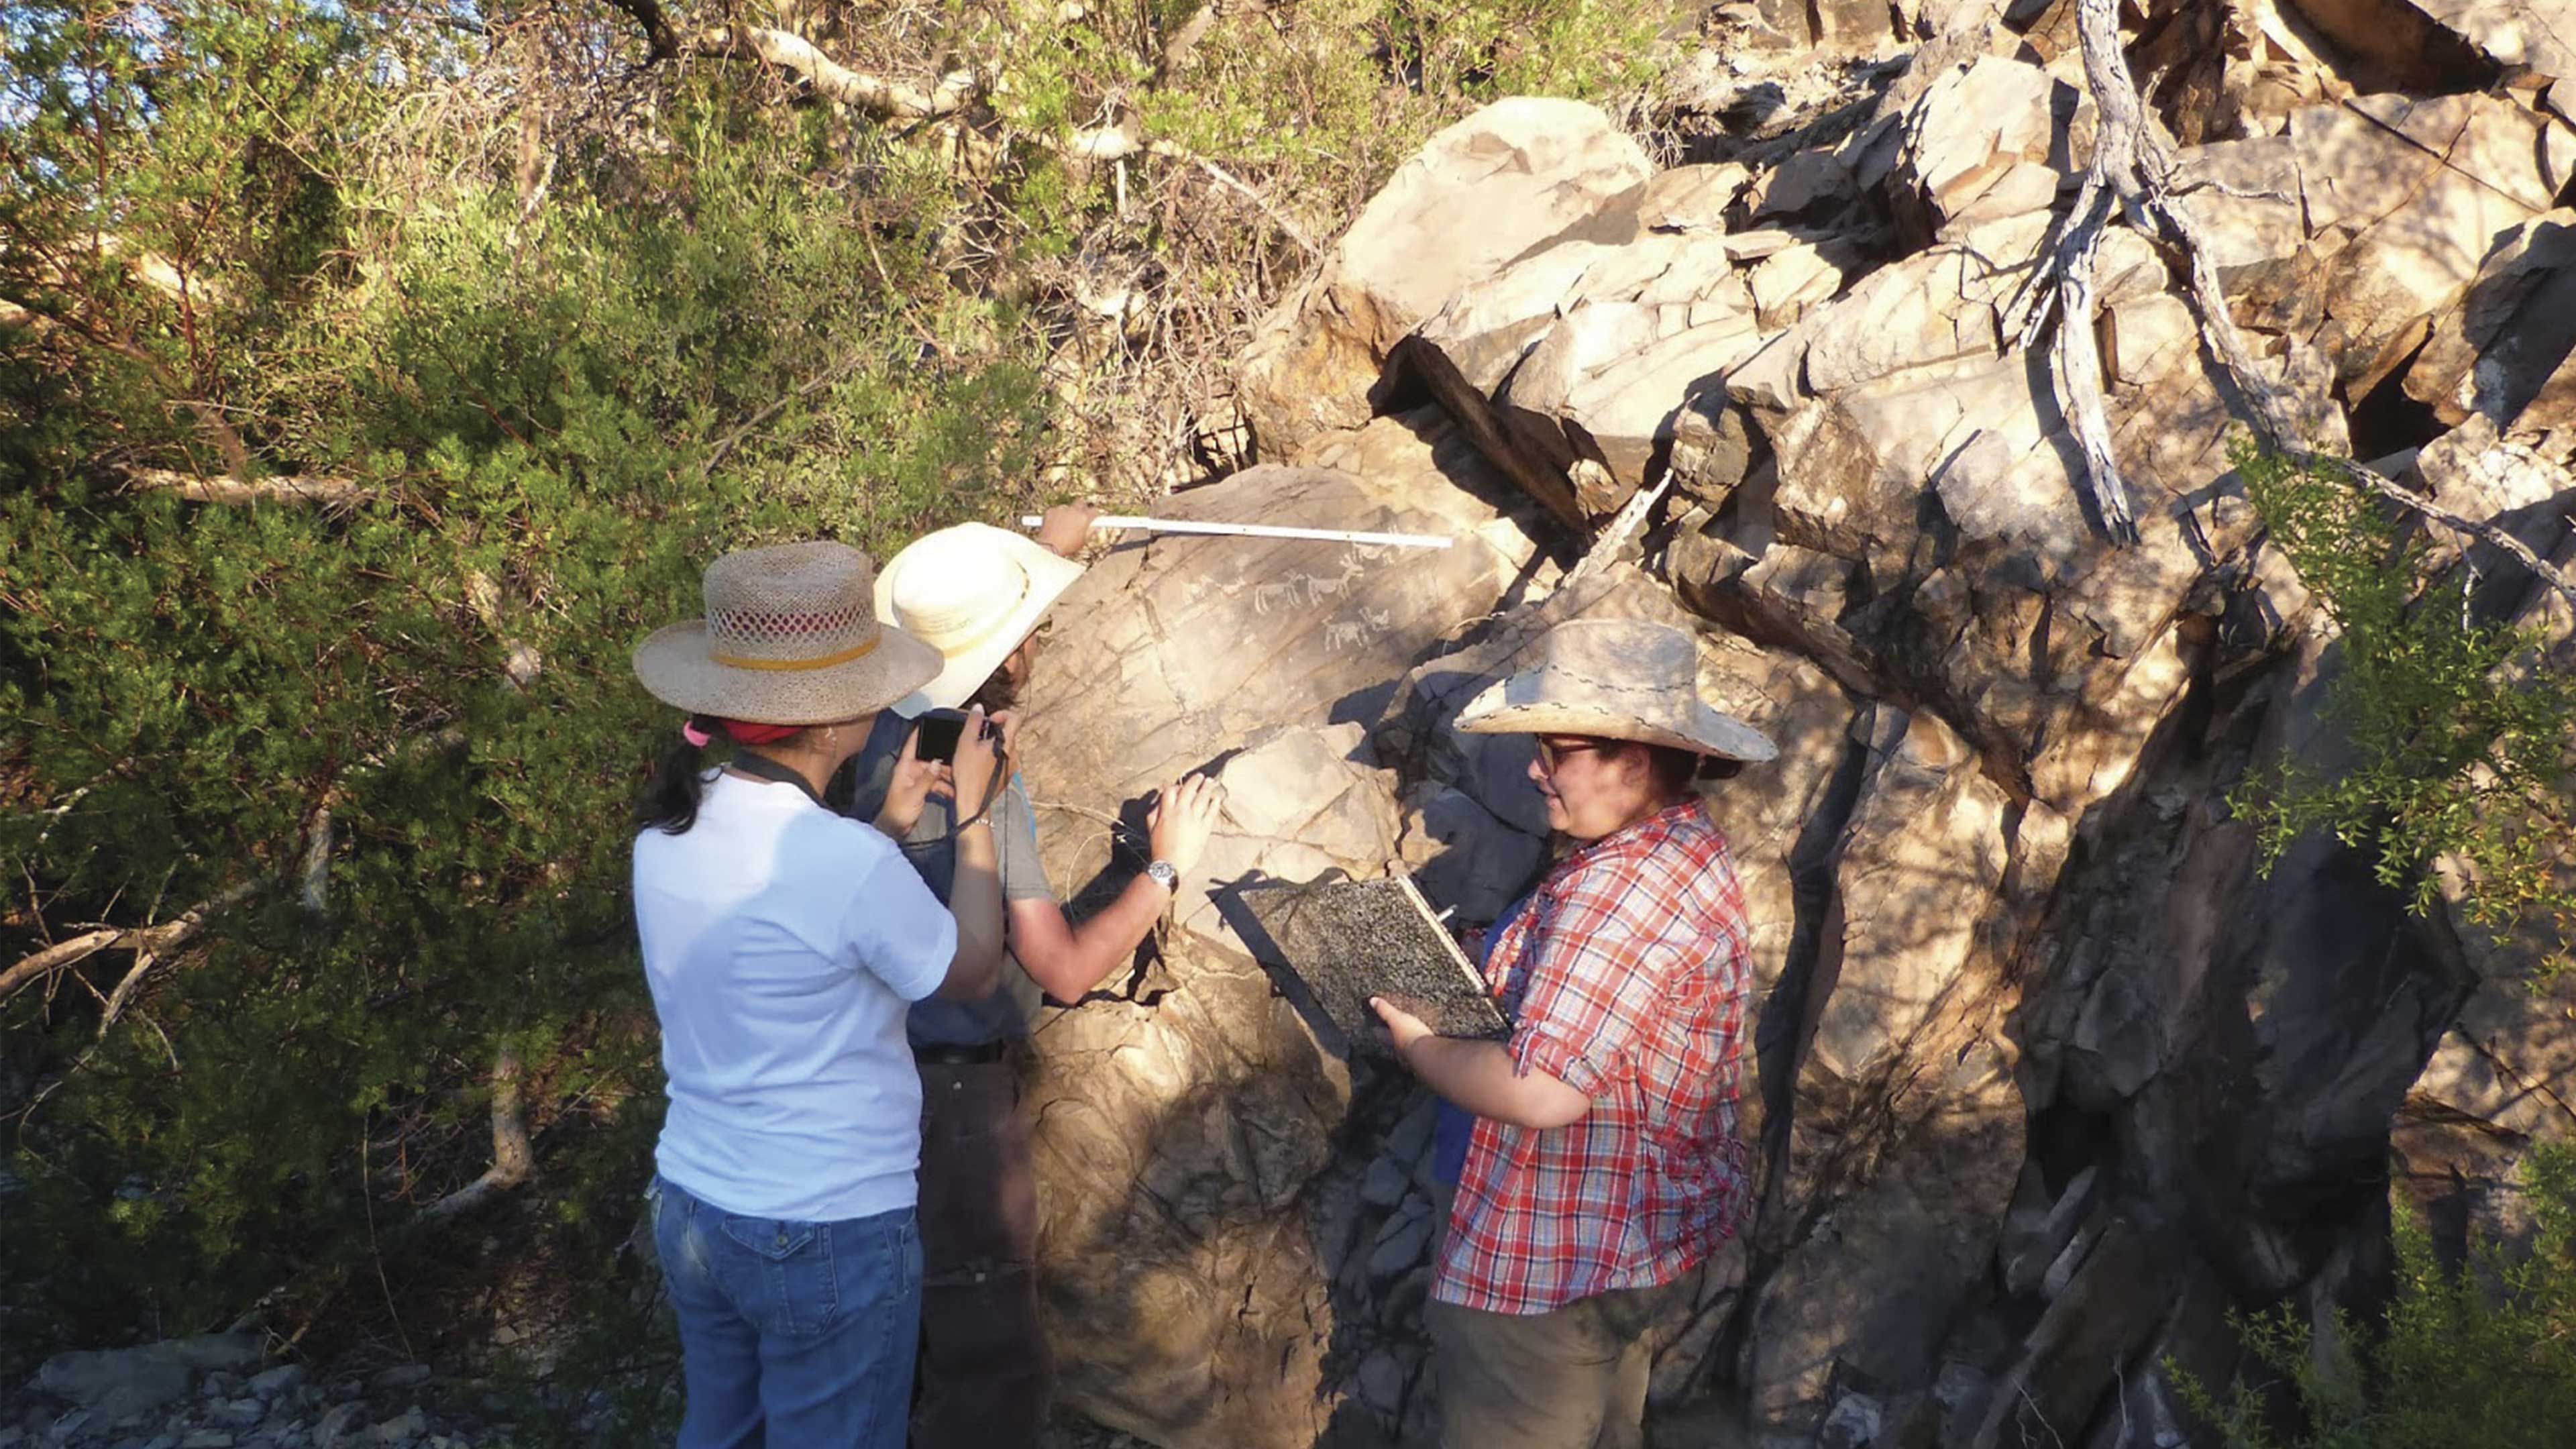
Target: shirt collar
1640	837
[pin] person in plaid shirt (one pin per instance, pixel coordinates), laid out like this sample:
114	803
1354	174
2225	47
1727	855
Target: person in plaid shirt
1604	1167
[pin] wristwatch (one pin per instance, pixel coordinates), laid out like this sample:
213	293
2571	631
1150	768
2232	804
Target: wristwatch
1166	875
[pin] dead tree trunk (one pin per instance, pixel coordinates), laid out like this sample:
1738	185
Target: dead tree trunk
2132	169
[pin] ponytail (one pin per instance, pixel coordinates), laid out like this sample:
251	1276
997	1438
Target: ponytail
671	802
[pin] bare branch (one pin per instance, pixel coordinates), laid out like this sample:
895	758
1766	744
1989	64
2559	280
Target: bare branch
146	941
2403	497
2132	168
520	660
1176	51
1226	179
2124	144
661	41
289	488
834	81
514	1161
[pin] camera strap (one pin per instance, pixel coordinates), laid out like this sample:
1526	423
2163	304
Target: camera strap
761	766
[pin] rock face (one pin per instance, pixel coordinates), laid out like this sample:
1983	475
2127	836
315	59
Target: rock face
1481	193
1186	1115
2048	1075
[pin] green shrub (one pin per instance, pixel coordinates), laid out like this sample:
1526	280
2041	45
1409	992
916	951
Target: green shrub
699	337
2483	1358
2460	731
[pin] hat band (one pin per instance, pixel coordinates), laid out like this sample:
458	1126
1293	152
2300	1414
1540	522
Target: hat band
792	666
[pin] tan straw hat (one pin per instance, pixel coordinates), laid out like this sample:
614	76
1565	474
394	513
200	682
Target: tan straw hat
1620	679
972	592
790	637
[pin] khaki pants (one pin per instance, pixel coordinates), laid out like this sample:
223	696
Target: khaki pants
1571	1378
985	1372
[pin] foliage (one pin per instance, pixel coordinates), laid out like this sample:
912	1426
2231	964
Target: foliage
2459	729
564	401
570	316
2483	1358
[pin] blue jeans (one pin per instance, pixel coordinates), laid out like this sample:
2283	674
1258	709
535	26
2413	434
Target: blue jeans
791	1334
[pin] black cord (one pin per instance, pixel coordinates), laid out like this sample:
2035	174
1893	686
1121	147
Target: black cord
992	793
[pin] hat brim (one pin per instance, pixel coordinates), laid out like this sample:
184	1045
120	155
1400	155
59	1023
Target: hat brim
1702	730
673	664
1049	575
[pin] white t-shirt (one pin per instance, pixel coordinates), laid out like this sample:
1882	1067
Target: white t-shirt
784	944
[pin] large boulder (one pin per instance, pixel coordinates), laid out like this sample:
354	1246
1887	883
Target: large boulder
1187	1118
1478	196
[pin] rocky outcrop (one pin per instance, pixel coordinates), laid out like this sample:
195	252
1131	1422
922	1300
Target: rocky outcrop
217	1391
2050	1072
1479	195
1187	1120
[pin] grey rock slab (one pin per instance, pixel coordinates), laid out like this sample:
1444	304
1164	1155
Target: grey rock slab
1403	1248
336	1424
269	1383
402	1376
1385	1185
1381	1381
116	1383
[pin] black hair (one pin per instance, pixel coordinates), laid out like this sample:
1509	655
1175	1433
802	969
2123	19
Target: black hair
1674	770
670	803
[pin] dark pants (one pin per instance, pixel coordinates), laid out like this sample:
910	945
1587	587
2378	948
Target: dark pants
1571	1378
984	1365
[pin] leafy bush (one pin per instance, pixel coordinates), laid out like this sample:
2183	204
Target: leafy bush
384	748
2478	1359
493	324
2460	730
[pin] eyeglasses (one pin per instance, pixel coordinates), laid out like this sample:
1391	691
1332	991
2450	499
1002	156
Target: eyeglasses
1551	754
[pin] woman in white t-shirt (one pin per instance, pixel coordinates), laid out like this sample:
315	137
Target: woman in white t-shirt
783	944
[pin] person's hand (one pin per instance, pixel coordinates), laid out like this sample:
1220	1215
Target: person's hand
913	782
1066	527
1008	722
979	760
1183	817
1401	1024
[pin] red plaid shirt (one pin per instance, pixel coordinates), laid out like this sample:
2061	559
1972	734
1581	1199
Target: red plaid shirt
1626	977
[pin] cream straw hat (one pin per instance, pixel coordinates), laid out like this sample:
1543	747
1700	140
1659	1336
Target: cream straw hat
790	637
1620	679
972	592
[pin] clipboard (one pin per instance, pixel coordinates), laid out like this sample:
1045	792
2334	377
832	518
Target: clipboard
1343	941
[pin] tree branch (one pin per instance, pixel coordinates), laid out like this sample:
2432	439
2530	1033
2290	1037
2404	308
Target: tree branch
289	488
2132	168
834	81
661	41
147	941
514	1161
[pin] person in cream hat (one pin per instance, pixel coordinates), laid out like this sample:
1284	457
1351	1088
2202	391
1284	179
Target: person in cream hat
978	594
782	944
1601	1167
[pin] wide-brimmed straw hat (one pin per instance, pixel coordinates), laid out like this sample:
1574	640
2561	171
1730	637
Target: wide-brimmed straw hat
1620	679
790	637
972	592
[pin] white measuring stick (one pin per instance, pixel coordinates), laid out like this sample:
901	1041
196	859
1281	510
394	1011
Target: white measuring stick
1256	530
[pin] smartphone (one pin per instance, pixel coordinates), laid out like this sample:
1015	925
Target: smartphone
940	729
